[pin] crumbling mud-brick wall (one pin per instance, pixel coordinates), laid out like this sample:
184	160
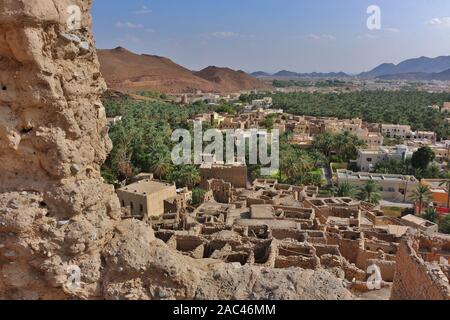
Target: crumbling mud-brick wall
56	214
416	279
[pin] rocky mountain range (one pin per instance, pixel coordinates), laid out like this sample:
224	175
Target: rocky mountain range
418	69
293	75
414	69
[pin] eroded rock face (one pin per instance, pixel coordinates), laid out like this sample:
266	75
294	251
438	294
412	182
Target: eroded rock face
55	210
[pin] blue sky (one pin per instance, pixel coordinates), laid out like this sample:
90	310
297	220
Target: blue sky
271	35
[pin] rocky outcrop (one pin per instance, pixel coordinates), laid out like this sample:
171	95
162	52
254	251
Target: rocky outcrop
57	217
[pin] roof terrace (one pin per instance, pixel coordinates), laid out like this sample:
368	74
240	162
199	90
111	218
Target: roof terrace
349	175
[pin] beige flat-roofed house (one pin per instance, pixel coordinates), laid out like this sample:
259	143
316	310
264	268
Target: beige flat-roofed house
368	159
146	198
396	188
396	131
357	128
371	139
446	107
430	135
442	152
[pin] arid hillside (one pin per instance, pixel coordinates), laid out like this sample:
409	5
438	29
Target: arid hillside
230	80
125	70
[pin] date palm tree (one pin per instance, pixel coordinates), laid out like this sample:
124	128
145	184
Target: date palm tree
430	215
294	165
370	192
433	171
161	166
345	190
324	143
346	144
303	164
444	226
446	183
186	176
316	157
422	195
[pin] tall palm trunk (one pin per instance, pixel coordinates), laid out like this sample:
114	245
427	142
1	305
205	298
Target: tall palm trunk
448	194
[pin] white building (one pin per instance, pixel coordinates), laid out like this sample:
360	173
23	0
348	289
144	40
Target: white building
369	158
263	103
393	187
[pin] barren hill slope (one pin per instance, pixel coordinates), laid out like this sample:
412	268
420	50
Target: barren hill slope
125	70
230	80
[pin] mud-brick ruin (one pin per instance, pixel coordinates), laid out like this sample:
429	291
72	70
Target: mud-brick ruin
269	241
423	270
283	226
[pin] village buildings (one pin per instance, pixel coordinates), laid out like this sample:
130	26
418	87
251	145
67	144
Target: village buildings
263	103
305	128
268	224
396	188
396	131
441	148
368	158
439	192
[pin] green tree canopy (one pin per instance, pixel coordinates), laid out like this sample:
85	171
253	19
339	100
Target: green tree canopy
444	226
345	190
370	192
404	107
431	215
343	145
422	158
